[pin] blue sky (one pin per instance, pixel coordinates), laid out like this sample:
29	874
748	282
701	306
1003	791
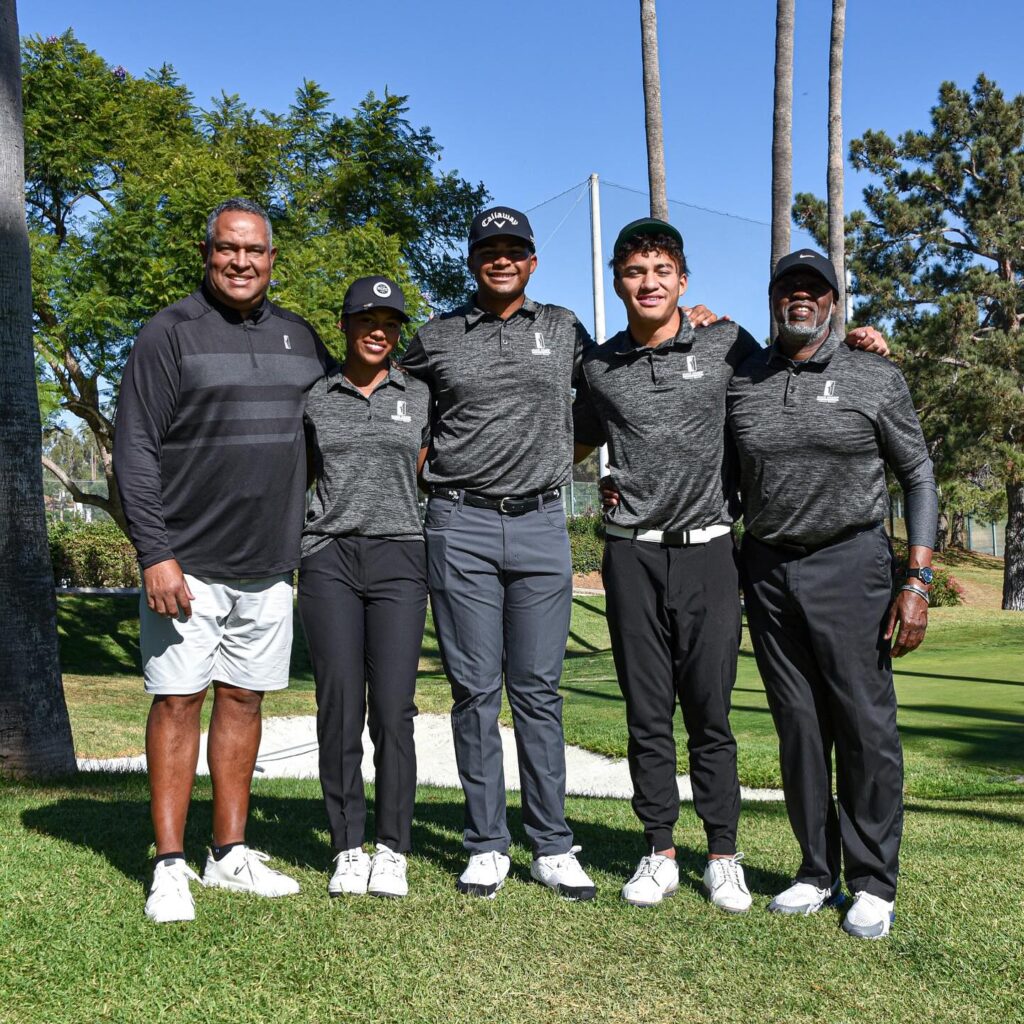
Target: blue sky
531	98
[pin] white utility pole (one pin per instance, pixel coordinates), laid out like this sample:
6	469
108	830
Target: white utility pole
598	275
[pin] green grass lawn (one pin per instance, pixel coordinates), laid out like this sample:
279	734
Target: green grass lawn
74	945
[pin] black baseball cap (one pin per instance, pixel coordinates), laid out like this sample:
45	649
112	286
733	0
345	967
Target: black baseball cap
374	293
500	220
806	259
648	226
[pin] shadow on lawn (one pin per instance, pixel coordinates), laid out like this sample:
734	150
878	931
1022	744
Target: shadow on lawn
111	818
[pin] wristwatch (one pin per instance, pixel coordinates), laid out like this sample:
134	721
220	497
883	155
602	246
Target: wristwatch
924	574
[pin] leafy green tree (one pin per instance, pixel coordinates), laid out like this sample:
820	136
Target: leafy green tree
121	173
938	255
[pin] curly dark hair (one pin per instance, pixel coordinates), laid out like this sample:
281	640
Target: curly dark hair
644	244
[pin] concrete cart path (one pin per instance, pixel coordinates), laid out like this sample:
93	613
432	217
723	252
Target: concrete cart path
289	750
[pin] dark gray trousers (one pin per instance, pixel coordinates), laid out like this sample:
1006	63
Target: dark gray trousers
363	603
501	594
816	621
674	620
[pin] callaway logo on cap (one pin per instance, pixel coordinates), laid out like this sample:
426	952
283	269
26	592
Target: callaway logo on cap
500	220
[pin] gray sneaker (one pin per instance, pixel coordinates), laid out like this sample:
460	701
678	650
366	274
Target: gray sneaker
804	899
870	917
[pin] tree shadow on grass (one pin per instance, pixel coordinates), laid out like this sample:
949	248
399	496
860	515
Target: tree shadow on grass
108	813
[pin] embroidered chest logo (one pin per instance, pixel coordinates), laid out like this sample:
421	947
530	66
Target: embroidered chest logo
829	394
401	414
539	348
287	343
691	372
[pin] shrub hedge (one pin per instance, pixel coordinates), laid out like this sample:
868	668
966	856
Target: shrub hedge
92	555
945	591
586	541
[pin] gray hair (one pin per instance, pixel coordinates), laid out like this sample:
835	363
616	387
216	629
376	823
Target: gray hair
239	205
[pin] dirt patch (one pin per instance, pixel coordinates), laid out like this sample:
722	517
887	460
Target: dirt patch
587	581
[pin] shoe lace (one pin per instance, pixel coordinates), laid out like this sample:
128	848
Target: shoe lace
181	872
728	869
254	860
564	860
387	861
349	858
647	867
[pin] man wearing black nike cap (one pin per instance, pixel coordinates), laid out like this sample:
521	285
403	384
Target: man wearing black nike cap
816	425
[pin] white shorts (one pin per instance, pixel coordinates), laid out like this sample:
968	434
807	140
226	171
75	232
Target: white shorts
240	633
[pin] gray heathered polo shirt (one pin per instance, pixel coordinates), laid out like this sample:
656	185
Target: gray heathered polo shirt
814	439
364	454
662	413
502	393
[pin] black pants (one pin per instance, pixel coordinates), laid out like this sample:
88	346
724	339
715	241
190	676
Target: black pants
674	619
363	604
816	621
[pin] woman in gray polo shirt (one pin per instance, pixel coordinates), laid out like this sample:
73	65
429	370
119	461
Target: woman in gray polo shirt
363	585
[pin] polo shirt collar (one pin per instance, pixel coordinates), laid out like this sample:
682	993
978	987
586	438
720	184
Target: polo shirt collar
826	350
338	381
475	314
625	345
232	315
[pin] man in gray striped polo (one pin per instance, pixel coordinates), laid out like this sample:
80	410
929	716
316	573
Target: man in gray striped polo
210	463
816	425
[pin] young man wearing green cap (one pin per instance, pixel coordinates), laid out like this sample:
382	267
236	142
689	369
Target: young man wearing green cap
655	394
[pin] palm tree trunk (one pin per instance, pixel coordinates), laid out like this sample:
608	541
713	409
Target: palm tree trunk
35	733
652	110
836	212
782	134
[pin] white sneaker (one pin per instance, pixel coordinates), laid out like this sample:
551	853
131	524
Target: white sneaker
243	870
170	898
655	878
562	872
484	875
804	898
726	886
351	873
387	874
870	917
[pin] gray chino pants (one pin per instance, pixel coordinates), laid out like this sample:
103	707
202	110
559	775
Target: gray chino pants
501	594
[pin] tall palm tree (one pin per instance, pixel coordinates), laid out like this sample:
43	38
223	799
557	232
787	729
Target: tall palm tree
782	134
836	213
652	110
35	734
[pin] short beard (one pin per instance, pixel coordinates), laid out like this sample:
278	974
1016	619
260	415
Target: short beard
803	334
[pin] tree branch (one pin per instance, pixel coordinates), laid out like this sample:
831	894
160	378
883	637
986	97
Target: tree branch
76	492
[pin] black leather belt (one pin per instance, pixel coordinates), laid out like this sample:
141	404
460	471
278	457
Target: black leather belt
510	506
809	549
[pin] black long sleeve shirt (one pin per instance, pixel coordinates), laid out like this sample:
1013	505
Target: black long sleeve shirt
209	450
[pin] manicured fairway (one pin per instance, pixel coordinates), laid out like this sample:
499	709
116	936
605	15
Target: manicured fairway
74	946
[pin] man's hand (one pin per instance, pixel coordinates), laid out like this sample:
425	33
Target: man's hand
701	316
911	612
609	493
868	339
167	592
